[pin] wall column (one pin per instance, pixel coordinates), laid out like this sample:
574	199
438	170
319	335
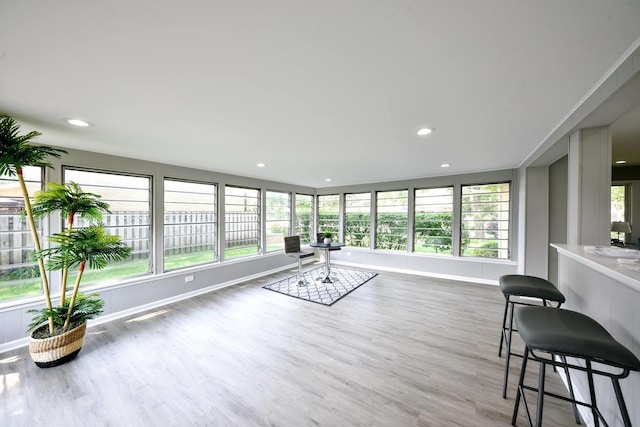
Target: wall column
536	245
589	187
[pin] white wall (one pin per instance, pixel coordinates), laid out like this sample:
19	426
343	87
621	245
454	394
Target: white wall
537	222
557	212
589	179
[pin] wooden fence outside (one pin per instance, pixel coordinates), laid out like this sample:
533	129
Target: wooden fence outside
184	232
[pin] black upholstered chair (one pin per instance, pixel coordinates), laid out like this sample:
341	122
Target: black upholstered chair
554	336
292	249
520	289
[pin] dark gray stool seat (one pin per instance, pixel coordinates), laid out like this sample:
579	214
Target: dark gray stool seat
519	289
530	286
565	333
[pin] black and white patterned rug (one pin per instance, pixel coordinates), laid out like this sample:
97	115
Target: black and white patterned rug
344	281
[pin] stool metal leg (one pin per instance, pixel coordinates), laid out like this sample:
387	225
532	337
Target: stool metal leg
621	404
301	281
592	394
508	339
504	325
576	413
541	377
523	370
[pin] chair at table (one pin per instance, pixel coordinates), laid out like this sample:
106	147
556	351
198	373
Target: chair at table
292	249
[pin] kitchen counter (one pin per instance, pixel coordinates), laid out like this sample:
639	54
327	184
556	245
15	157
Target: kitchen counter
604	283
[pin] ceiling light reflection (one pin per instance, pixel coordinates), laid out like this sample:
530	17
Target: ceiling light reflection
9	360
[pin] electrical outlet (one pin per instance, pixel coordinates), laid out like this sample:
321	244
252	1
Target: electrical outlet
188	279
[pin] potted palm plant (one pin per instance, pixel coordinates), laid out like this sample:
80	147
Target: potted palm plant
57	332
88	247
16	153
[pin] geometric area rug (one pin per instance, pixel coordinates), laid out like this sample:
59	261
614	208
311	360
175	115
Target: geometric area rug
344	281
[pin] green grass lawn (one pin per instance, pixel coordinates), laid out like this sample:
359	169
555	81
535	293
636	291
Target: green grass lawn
14	289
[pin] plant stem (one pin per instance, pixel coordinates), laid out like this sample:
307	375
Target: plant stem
36	244
76	287
65	271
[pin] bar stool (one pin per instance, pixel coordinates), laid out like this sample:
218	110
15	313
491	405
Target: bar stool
515	287
292	249
547	333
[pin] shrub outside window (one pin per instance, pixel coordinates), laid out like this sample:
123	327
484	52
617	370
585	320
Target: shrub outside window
485	220
304	218
433	221
278	219
392	218
357	219
329	214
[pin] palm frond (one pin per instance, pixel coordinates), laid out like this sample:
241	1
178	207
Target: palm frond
68	199
90	245
86	307
16	152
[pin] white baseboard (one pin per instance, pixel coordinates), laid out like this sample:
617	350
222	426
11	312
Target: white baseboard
418	273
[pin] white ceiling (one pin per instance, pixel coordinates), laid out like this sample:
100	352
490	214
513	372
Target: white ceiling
315	89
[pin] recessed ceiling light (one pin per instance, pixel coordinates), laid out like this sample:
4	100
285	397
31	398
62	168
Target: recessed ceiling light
424	131
327	179
620	162
445	165
78	122
261	165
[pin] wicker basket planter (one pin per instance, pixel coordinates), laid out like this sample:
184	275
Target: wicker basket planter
54	351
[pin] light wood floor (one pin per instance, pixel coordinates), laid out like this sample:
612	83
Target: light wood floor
399	351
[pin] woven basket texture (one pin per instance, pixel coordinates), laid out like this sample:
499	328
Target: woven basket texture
57	347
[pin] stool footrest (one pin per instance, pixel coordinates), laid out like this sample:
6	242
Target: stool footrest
522	388
624	372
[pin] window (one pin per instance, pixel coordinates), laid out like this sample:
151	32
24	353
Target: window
392	218
304	218
242	222
329	214
357	219
485	220
433	220
618	211
190	224
278	219
19	274
129	199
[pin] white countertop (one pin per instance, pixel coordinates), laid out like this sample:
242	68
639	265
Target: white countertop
604	260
